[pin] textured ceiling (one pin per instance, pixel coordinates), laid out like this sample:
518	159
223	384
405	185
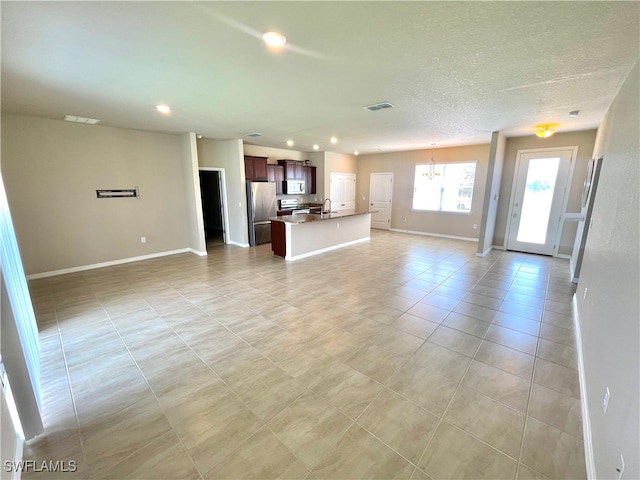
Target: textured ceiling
456	71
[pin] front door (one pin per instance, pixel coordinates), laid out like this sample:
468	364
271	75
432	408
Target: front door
537	202
380	195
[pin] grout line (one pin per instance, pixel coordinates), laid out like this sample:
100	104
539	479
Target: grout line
437	258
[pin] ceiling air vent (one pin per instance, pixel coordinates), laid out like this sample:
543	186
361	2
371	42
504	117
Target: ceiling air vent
379	106
253	134
74	118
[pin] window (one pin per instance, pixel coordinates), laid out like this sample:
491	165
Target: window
444	187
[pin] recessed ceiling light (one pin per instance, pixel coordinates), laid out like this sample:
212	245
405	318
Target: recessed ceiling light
356	153
163	108
290	142
274	39
198	136
316	147
574	113
334	140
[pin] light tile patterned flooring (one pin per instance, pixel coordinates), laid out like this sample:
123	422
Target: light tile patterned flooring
404	357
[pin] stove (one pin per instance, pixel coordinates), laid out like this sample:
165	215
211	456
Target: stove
291	206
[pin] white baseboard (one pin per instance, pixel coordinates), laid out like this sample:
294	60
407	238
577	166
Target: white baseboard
499	247
429	234
485	253
586	422
238	244
565	256
202	254
82	268
328	249
17	473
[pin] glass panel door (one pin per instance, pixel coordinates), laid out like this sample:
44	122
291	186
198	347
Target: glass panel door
536	203
536	206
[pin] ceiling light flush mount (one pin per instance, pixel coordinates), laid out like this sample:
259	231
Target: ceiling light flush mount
356	153
333	140
290	143
163	109
274	39
316	146
545	131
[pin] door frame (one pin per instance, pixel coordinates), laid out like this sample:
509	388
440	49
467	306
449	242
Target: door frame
225	209
390	199
565	199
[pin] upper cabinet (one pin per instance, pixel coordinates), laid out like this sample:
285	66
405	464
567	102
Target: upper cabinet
275	174
292	169
297	170
310	179
255	168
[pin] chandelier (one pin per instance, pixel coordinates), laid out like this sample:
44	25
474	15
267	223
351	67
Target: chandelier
431	172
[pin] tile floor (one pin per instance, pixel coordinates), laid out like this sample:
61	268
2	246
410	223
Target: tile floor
404	357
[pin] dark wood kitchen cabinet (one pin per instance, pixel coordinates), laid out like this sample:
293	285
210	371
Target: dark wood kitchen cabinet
255	168
275	174
310	179
292	169
278	239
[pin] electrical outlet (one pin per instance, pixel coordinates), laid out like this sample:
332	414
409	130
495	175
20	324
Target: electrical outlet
240	204
475	225
338	225
143	239
605	402
404	219
620	468
584	295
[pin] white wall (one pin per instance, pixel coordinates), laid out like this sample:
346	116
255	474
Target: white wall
609	316
229	154
402	164
337	163
492	192
274	154
191	176
51	170
584	140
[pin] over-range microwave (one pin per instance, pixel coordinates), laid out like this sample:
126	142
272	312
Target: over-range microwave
292	187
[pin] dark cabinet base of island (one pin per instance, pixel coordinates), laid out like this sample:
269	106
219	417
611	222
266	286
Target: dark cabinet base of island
278	239
299	236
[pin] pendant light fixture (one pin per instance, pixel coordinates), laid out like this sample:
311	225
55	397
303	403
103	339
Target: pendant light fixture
432	165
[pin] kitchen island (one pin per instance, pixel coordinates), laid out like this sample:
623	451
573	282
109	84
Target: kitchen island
298	236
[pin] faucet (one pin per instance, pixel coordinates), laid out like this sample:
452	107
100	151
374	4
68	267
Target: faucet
324	204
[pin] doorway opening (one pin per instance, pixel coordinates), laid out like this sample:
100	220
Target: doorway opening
211	189
538	199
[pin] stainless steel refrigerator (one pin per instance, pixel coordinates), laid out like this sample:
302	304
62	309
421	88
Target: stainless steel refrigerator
261	204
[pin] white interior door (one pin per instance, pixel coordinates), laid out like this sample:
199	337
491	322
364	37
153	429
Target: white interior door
538	199
380	196
342	191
